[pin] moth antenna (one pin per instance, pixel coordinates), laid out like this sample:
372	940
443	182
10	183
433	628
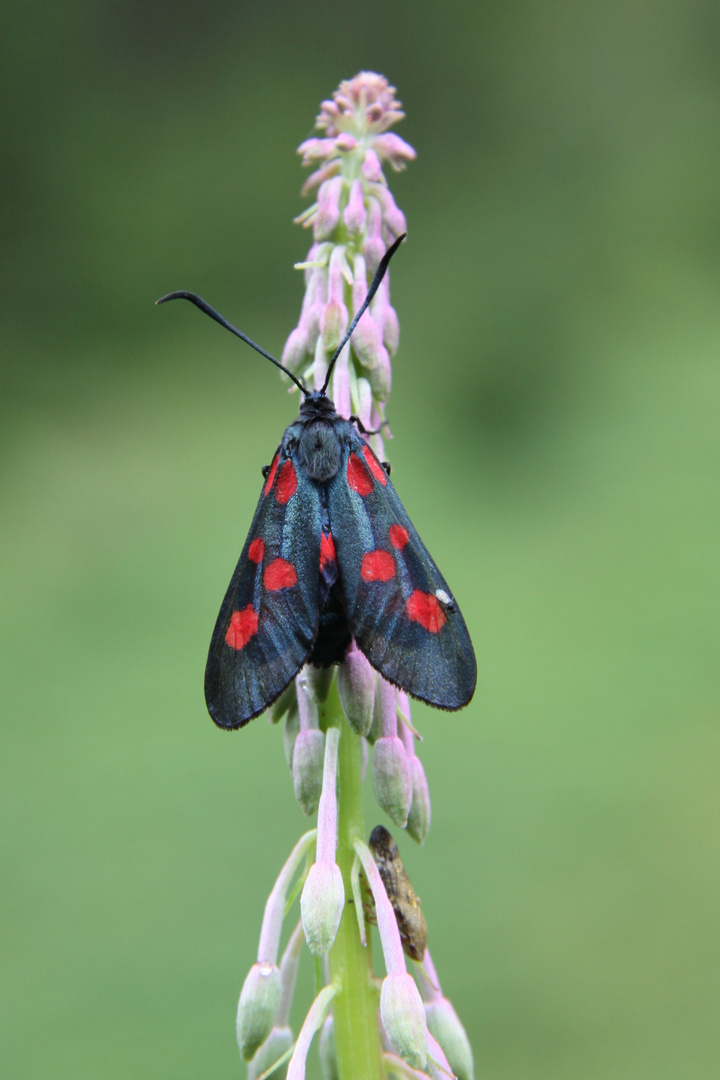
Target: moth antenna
205	307
375	284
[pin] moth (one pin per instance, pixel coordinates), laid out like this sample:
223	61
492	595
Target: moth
405	902
331	555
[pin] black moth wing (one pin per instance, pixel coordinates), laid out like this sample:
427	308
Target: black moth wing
270	615
399	606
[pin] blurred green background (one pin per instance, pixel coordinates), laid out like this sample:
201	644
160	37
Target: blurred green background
555	412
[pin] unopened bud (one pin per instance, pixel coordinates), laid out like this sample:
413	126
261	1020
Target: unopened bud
418	822
392	782
444	1024
314	149
333	324
277	1043
394	149
321	906
346	142
374	246
258	1006
283	704
307	769
319	681
392	216
380	374
371	168
391	330
328	1050
341	390
290	734
356	688
403	1018
297	348
328	207
355	213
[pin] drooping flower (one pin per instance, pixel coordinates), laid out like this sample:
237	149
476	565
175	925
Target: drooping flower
323	896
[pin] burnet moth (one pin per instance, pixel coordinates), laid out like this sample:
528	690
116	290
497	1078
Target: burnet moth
331	555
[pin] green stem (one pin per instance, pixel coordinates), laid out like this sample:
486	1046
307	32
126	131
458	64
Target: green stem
355	1008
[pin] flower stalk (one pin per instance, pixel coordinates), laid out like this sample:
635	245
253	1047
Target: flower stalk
369	1031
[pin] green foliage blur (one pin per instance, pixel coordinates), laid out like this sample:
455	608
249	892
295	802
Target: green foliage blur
555	413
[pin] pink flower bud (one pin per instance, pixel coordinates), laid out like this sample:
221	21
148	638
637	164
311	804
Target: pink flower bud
290	734
374	246
403	1018
259	1002
366	337
392	216
320	364
380	375
392	148
364	409
334	321
392	782
391	330
355	214
356	687
323	895
317	297
326	107
371	168
443	1021
309	751
311	1023
345	142
319	681
328	211
314	150
277	1043
385	316
341	384
418	822
333	325
444	1024
321	175
307	769
296	349
321	906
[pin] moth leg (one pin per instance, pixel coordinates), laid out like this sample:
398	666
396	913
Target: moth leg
365	431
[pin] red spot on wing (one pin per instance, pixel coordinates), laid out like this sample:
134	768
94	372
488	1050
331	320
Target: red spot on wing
243	625
374	465
377	566
327	550
425	608
399	536
279	575
357	476
256	550
271	475
286	483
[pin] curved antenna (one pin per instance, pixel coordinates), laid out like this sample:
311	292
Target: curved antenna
204	306
379	275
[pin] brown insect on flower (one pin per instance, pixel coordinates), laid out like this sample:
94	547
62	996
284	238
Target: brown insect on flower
402	896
